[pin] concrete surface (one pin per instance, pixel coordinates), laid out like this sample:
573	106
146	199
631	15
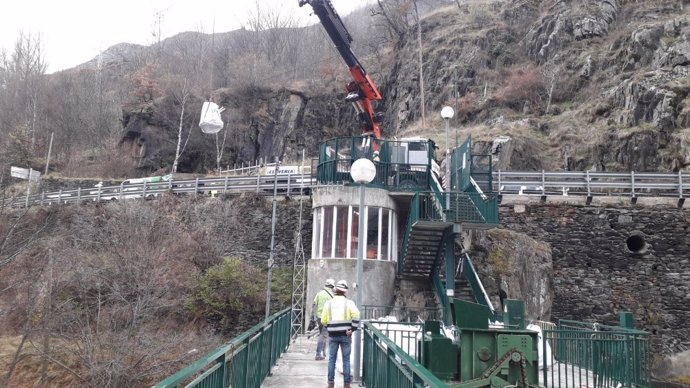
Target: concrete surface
378	275
297	368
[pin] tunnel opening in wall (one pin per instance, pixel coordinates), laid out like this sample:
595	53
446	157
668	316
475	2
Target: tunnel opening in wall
636	243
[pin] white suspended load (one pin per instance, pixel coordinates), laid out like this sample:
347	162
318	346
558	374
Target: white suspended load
211	121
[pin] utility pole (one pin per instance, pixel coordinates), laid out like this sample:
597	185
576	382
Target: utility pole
273	238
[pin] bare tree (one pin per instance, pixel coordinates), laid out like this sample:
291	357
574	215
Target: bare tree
395	14
21	83
188	60
421	62
181	98
551	71
220	148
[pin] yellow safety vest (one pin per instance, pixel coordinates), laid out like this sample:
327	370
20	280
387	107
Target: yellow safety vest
340	314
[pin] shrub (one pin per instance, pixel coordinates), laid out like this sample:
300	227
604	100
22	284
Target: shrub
228	290
522	86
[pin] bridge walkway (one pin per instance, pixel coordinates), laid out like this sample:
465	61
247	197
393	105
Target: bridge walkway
296	368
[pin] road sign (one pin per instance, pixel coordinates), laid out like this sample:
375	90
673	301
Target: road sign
25	173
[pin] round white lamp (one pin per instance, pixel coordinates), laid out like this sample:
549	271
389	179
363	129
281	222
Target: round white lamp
447	112
363	171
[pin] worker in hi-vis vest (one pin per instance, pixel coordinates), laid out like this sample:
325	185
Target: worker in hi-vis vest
320	300
341	317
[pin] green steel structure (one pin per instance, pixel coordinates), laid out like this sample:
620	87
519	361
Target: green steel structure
435	214
576	354
243	362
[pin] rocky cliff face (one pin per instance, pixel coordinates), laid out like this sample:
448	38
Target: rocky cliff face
579	84
517	264
262	125
600	83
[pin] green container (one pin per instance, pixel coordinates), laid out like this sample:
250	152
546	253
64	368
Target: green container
439	355
468	315
514	317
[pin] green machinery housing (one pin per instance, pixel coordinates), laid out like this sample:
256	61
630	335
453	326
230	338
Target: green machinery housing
480	356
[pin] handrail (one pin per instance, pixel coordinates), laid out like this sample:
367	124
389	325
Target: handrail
412	218
386	365
443	298
597	355
244	362
470	274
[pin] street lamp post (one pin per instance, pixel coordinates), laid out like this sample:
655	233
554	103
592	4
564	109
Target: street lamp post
362	172
447	113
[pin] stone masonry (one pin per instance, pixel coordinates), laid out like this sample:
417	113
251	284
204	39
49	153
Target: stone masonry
608	259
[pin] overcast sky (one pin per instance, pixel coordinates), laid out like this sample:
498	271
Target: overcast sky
74	31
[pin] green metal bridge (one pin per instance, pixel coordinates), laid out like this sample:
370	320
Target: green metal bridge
581	355
473	352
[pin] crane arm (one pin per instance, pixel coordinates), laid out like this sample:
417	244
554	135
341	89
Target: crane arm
361	90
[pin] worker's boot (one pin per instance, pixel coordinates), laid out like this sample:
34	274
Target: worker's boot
347	385
331	385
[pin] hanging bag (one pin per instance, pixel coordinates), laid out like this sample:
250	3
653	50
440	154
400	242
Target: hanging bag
211	121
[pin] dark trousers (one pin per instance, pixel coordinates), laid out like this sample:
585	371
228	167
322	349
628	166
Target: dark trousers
345	344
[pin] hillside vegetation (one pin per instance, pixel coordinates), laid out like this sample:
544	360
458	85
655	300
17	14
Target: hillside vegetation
123	294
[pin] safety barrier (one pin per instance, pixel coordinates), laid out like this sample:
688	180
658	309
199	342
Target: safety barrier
594	355
540	183
576	354
387	365
401	314
591	183
242	363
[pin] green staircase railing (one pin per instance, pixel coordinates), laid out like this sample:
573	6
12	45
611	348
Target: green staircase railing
244	362
423	208
444	301
412	218
470	274
473	210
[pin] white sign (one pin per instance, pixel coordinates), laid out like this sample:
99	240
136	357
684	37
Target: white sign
283	170
25	173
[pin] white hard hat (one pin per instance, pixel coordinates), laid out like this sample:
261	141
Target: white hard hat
330	283
341	286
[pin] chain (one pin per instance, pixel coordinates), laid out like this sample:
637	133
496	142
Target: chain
523	367
499	362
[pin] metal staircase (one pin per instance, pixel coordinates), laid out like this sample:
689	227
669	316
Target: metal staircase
424	237
435	216
423	250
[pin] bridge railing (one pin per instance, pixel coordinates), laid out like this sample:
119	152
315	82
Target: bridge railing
290	184
387	365
594	355
401	314
541	183
244	362
590	183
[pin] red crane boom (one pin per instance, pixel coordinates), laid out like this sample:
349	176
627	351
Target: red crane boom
361	90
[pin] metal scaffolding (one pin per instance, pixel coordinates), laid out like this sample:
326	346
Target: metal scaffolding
298	272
